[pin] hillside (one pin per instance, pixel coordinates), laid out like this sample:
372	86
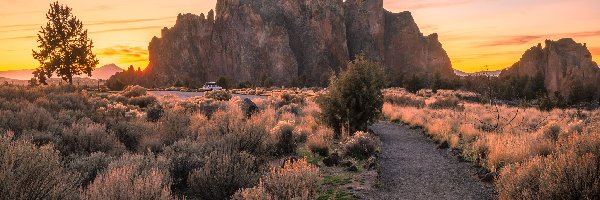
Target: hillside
291	42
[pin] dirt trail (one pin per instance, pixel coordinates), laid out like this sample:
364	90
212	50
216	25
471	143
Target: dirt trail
412	167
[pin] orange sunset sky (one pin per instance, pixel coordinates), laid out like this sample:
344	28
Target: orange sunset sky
475	33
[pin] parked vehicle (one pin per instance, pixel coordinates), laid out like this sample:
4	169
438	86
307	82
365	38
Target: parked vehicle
210	86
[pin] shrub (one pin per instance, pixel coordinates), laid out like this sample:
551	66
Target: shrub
283	136
223	174
256	193
231	128
552	132
27	118
319	142
219	95
89	166
85	137
354	100
154	113
30	172
415	83
134	91
132	133
404	100
142	101
175	126
40	138
127	182
70	101
295	180
184	156
570	173
293	108
287	99
446	103
360	146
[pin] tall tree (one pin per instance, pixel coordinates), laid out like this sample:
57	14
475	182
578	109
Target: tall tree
64	46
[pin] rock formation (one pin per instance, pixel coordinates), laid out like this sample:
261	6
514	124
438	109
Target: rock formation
408	52
290	42
560	62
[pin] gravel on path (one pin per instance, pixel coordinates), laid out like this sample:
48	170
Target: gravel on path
412	167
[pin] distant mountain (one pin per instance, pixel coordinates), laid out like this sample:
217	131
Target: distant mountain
291	42
103	72
482	73
562	63
106	71
24	74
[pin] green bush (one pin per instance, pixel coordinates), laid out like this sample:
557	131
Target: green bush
354	100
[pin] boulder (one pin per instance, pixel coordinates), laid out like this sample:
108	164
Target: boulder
248	107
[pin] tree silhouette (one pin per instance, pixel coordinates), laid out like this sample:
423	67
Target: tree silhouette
64	47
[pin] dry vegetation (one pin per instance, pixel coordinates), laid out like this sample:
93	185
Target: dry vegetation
532	154
63	142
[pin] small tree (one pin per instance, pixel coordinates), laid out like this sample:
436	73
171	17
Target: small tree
414	84
223	82
32	82
354	100
64	47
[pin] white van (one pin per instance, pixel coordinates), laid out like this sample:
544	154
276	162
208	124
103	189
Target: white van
210	86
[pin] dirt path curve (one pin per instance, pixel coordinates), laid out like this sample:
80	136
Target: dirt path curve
412	167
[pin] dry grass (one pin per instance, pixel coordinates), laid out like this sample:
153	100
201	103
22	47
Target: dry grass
528	148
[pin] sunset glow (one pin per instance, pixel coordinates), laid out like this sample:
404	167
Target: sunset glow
475	33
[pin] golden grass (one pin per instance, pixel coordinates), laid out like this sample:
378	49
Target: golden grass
528	148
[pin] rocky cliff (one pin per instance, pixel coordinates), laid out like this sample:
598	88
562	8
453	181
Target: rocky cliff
560	63
290	42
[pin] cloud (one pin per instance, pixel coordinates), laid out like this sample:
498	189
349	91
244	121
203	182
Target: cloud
34	27
420	4
595	51
528	39
511	40
100	31
19	38
18	25
128	29
123	50
125	54
114	22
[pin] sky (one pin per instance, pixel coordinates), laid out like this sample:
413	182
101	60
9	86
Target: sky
477	34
